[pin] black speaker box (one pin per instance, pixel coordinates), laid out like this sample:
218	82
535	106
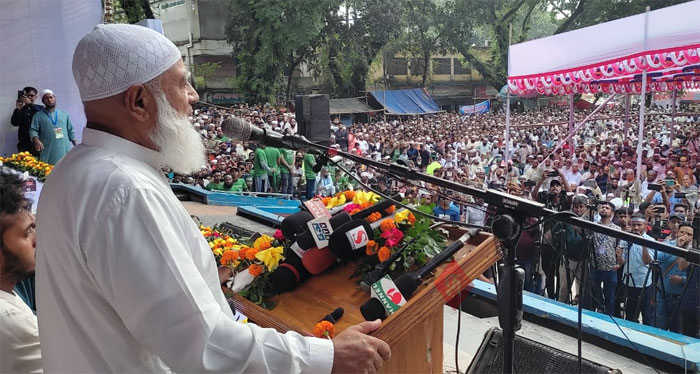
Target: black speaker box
530	357
313	115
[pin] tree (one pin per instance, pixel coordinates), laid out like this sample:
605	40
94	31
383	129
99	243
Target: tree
269	37
136	10
353	40
205	71
422	32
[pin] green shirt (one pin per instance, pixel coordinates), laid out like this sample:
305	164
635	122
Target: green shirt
272	154
288	156
430	169
309	162
238	185
258	170
214	186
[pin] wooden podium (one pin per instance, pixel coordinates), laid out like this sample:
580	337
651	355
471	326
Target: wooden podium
414	332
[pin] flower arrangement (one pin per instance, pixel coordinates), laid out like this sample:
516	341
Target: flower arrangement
24	161
392	234
251	262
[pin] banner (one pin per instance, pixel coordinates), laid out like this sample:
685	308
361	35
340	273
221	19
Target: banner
480	108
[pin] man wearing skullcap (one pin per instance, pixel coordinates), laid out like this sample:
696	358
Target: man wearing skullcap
51	130
125	280
635	260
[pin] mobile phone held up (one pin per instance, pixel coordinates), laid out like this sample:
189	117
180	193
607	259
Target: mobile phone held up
20	93
654	187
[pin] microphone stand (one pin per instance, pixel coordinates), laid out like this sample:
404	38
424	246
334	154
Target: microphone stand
512	211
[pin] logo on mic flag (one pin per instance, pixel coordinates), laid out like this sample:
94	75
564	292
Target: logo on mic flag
358	237
388	294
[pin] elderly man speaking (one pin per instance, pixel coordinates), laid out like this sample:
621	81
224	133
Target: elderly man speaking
125	280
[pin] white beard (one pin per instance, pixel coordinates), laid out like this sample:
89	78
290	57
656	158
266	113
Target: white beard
179	144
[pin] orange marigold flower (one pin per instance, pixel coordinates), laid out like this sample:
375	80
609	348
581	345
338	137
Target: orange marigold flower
349	195
250	254
228	257
371	248
411	218
326	200
374	217
383	253
324	329
365	205
255	270
390	209
355	211
387	225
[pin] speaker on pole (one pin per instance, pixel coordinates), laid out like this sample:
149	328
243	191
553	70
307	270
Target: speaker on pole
313	115
530	357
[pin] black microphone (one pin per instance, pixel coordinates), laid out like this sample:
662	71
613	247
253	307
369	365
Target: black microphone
407	283
239	130
334	316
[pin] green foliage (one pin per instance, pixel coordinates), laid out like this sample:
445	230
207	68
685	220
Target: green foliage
204	71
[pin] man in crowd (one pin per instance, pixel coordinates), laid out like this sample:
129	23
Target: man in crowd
51	130
574	246
286	167
635	260
128	284
325	184
309	161
20	351
25	109
673	279
603	263
261	170
215	183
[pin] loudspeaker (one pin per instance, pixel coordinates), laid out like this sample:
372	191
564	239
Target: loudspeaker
530	357
313	115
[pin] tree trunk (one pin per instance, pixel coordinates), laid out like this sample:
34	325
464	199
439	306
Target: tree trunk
426	60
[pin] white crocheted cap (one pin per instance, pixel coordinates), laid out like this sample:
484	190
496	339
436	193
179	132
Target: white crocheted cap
112	58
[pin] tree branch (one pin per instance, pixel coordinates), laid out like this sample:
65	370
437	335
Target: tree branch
525	27
572	18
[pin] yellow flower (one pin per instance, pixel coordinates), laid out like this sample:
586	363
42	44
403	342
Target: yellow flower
211	244
217	252
262	243
362	197
336	201
271	257
402	215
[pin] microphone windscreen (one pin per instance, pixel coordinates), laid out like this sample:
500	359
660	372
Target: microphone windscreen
237	129
317	260
372	310
350	239
407	284
295	224
289	273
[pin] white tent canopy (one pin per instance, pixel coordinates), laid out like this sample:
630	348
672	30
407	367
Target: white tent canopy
610	57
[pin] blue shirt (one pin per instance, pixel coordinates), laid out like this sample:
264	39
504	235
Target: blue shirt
452	212
666	260
635	266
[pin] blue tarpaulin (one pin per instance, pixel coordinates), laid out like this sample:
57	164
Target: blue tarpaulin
403	102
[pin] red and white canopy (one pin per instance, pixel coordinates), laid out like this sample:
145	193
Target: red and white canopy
610	57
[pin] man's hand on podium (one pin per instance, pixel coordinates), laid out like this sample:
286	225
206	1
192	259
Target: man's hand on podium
357	352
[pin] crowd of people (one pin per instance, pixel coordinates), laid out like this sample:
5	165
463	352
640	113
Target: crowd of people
125	281
594	174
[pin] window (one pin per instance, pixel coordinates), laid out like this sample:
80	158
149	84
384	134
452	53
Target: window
396	66
442	66
417	66
227	69
459	69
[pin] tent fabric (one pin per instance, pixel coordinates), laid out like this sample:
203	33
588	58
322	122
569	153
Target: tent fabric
406	102
610	57
37	40
349	106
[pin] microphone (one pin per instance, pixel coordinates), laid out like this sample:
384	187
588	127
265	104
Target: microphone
288	274
237	129
407	283
294	224
386	298
334	316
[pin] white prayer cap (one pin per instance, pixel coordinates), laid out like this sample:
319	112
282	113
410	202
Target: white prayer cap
112	58
46	92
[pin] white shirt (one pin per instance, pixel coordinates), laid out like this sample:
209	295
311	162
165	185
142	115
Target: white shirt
20	351
127	283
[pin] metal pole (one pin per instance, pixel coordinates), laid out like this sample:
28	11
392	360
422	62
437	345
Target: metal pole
507	135
642	103
673	117
571	117
627	116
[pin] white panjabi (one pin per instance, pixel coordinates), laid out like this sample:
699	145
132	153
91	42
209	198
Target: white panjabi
112	58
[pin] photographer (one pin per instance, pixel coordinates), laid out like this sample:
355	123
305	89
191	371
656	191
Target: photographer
22	116
574	250
635	260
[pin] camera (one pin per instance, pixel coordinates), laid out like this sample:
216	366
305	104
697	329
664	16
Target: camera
529	183
679	195
551	173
